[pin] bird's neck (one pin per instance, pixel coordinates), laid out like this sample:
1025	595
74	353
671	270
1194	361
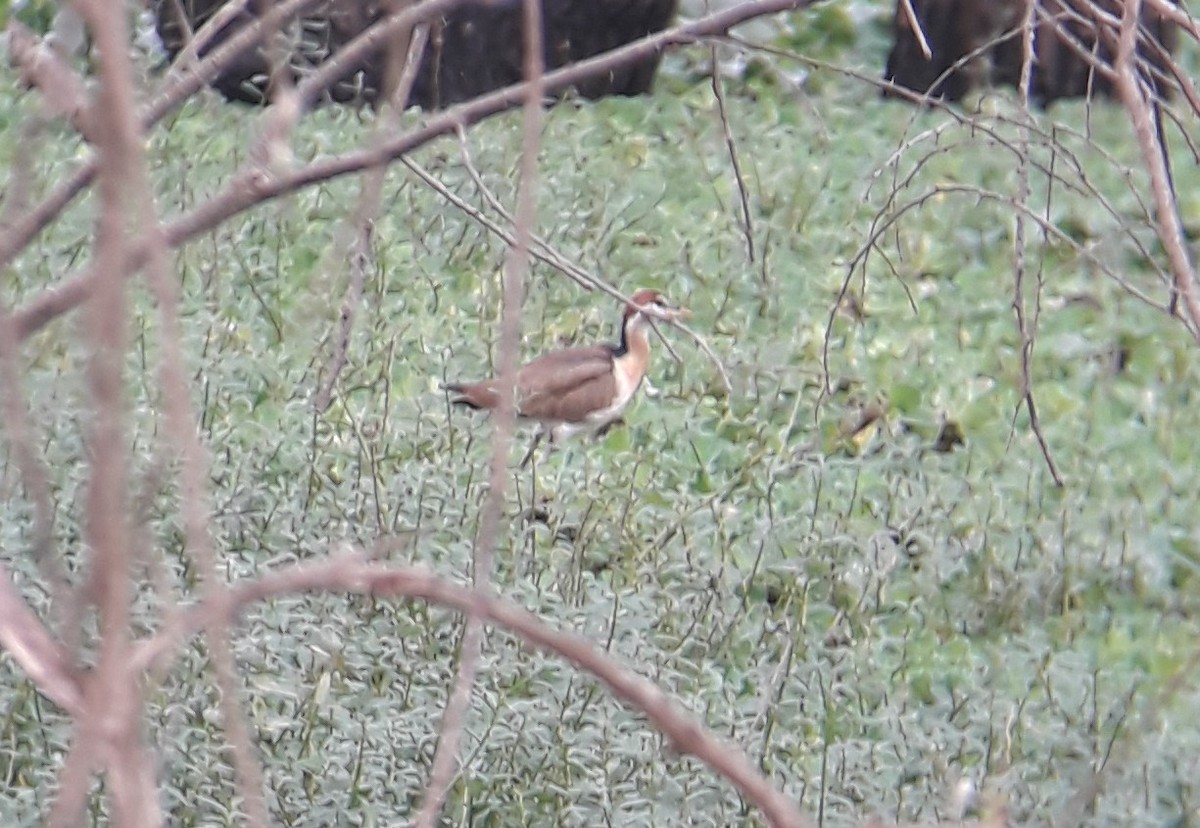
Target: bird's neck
633	353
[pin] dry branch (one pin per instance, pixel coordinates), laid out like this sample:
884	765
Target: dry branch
43	659
516	265
110	730
62	90
1026	328
543	252
731	146
32	470
178	89
1168	224
246	190
402	74
377	35
352	574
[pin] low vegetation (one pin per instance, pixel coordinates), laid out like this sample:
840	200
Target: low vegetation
855	563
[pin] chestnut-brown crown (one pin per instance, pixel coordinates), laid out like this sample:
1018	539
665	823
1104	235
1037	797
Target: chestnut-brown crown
645	298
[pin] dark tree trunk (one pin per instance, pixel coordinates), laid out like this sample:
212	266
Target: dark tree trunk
474	50
976	42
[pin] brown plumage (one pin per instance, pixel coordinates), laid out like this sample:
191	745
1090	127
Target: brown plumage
579	389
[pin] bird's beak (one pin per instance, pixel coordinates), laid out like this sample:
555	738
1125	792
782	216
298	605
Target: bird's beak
668	314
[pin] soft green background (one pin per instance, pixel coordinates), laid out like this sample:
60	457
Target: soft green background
871	618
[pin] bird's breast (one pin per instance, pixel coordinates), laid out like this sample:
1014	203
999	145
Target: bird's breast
627	374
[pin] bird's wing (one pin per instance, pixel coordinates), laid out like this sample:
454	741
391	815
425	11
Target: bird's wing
567	385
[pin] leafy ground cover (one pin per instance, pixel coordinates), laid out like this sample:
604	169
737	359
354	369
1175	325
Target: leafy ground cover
811	562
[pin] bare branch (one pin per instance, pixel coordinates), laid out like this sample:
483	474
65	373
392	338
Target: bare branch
62	90
16	236
33	472
182	433
918	30
1168	223
246	191
369	204
516	265
731	146
1176	15
42	658
707	350
197	41
378	34
352	574
1024	328
114	699
542	251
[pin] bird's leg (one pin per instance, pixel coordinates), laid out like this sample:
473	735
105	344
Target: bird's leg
537	438
607	427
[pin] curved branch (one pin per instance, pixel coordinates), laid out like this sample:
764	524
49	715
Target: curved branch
351	573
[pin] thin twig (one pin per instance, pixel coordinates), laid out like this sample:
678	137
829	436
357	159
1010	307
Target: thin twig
1025	330
731	146
394	27
369	204
542	249
182	434
703	345
911	16
1075	811
556	260
544	254
516	265
34	475
196	41
917	202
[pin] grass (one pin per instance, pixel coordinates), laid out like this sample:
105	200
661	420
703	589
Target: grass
869	617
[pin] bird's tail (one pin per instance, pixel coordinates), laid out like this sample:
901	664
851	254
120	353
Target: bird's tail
471	394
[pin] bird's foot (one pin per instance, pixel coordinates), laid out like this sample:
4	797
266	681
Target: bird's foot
609	426
532	448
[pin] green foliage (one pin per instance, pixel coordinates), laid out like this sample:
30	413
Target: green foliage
868	607
36	14
822	30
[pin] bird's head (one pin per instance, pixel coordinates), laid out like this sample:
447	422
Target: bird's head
654	305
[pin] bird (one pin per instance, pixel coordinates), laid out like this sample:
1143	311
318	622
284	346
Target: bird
582	389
